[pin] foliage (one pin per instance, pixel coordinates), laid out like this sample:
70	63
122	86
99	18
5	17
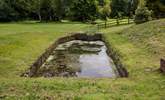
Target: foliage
132	6
47	10
119	8
7	13
51	10
84	10
157	6
142	15
79	10
105	10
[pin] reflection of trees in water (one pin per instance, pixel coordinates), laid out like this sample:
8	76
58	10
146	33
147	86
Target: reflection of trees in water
64	61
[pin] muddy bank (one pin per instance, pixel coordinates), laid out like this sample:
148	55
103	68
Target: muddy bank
37	67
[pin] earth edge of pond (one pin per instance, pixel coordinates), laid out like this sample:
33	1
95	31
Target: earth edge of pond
112	53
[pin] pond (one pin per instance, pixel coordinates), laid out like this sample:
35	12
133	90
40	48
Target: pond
79	58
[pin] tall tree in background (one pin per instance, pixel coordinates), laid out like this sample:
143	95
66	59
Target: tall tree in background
22	7
67	5
36	9
132	6
58	9
83	10
46	10
105	10
157	6
7	12
79	10
119	8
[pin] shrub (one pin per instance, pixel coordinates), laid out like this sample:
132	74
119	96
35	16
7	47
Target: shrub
142	15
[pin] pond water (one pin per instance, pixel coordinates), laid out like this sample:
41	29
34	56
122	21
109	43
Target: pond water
79	59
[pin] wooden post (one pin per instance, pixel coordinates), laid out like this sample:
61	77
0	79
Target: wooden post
128	21
162	65
117	21
105	24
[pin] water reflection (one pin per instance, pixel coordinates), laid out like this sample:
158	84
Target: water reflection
79	59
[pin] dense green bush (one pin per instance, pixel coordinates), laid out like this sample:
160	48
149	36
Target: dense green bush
142	15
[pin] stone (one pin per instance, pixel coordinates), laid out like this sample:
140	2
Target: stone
88	49
148	69
64	74
51	57
48	75
162	65
62	66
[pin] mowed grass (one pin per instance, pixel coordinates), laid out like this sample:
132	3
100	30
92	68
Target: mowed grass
21	44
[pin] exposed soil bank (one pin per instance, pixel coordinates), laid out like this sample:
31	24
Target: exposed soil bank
35	68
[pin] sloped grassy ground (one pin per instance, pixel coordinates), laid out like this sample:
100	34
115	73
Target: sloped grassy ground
21	44
151	35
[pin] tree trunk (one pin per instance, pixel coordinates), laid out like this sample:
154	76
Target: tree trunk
39	16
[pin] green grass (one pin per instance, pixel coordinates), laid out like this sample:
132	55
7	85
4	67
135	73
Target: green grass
21	44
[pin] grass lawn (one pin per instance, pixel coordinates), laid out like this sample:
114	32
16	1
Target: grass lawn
140	47
21	44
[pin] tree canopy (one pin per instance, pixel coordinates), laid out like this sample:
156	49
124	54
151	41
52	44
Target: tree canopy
77	10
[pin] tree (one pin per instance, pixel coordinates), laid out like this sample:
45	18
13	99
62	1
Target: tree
7	13
132	6
52	10
22	7
46	10
36	9
58	9
84	10
105	10
119	8
157	6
